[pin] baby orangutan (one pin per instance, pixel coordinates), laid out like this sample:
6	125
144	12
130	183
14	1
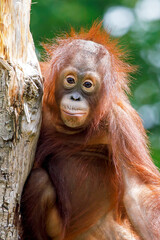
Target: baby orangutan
93	178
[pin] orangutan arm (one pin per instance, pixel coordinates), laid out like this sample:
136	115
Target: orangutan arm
142	203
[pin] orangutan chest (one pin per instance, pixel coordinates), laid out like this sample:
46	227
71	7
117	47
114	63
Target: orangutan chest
82	186
81	179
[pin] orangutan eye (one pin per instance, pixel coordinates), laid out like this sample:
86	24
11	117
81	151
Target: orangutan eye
88	86
69	81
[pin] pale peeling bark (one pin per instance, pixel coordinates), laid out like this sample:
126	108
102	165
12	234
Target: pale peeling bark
20	109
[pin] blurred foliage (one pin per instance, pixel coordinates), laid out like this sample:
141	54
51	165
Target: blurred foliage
52	17
49	17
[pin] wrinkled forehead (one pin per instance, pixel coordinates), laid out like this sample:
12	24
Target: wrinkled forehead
87	54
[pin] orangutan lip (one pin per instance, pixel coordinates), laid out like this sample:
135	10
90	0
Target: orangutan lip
78	113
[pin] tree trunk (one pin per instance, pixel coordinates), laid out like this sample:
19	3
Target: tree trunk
20	109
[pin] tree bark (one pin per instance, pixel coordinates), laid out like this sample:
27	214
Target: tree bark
20	109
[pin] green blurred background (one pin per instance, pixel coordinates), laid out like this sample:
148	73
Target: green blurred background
136	23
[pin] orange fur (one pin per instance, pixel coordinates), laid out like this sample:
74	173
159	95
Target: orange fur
114	117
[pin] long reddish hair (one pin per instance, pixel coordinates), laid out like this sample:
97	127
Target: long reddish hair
127	137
